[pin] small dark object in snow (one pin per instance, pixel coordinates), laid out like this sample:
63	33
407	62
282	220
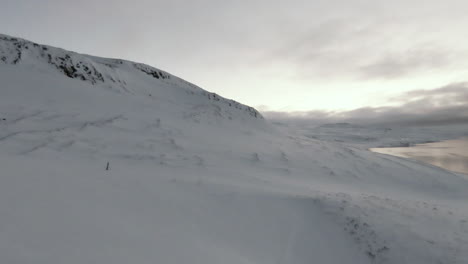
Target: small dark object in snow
107	167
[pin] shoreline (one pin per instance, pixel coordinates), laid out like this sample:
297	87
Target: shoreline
451	154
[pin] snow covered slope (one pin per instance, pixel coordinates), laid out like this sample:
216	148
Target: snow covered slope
113	74
195	178
369	136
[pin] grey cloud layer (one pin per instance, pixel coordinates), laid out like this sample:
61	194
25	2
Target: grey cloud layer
401	64
364	50
448	104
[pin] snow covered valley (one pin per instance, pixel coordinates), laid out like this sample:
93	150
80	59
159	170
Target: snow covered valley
197	178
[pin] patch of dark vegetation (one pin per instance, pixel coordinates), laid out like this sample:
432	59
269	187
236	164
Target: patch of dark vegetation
152	71
18	57
231	103
366	237
76	70
12	53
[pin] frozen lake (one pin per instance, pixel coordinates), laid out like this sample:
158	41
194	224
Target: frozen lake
449	154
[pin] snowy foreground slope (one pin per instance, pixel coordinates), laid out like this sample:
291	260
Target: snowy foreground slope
195	178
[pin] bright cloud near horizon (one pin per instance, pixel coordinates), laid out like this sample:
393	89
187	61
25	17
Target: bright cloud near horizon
274	55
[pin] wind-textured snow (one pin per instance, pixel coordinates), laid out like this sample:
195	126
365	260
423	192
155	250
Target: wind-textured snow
195	178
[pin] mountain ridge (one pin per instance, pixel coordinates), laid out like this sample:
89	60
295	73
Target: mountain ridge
101	71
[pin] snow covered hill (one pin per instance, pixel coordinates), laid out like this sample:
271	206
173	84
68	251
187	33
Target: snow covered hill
195	178
114	74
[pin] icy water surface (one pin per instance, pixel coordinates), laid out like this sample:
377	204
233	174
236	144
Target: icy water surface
450	154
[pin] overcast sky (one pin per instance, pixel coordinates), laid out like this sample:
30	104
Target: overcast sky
274	55
444	105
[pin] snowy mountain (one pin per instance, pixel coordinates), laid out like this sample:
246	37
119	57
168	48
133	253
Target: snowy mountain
196	178
118	75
